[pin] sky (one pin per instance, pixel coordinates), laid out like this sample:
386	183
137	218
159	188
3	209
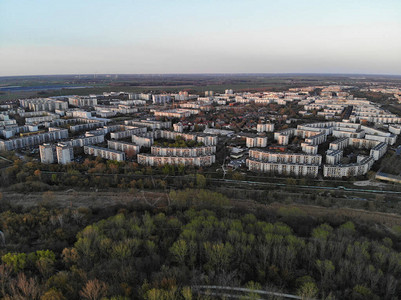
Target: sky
40	37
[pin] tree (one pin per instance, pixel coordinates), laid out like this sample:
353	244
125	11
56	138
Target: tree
53	294
94	290
308	290
179	250
200	181
24	288
5	276
17	261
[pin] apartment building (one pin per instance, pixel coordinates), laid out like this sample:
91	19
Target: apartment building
127	132
46	104
294	158
394	129
82	101
356	169
149	124
41	119
207	140
266	127
333	157
309	149
47	153
86	126
161	99
61	153
349	134
264	101
283	137
378	151
143	141
105	153
153	160
54	134
316	139
128	148
384	139
85	141
183	152
176	113
257	141
64	153
362	143
339	144
283	168
178	127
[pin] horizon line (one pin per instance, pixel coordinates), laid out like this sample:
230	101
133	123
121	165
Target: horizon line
204	73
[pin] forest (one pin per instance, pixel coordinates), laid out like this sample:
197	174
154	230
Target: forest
198	238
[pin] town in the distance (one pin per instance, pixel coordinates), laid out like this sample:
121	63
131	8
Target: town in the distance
314	131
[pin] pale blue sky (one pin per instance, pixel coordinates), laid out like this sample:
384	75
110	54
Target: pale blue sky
205	36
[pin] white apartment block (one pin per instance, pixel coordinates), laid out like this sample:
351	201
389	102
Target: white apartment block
283	137
82	101
178	127
54	134
127	132
316	139
172	135
176	113
128	148
149	124
264	101
105	153
347	133
79	114
394	129
183	152
266	127
198	161
46	104
86	126
257	141
333	157
385	139
41	119
8	122
378	151
282	168
47	153
363	143
339	144
64	153
295	158
356	169
61	153
161	99
309	149
143	141
85	141
207	140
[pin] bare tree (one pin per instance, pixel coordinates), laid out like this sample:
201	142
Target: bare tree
23	288
5	275
94	290
2	239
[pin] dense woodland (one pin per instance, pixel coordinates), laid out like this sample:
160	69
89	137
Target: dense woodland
199	238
